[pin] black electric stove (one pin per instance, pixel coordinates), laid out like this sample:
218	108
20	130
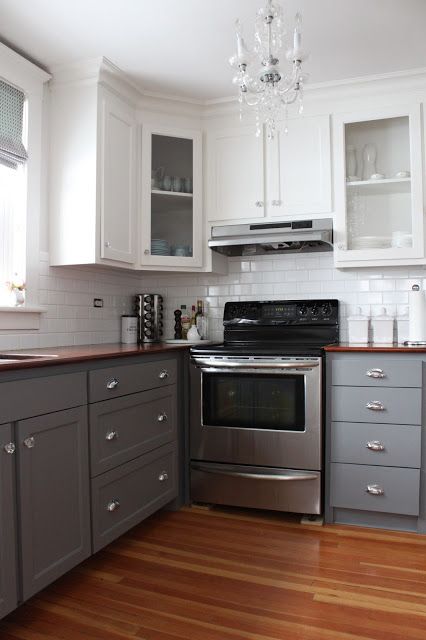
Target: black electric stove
278	328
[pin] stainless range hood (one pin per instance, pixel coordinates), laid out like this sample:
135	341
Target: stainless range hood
297	236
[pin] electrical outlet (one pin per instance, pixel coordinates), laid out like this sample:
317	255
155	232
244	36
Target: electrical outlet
98	302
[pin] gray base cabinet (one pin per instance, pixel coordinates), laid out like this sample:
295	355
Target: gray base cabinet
8	551
53	472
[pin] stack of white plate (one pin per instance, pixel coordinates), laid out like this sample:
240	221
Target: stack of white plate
160	247
371	242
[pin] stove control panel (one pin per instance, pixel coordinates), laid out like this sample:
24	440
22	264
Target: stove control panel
282	312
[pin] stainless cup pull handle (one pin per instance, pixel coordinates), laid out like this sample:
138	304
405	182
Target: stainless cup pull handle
375	445
113	383
29	442
111	435
10	448
113	505
163	477
276	203
375	490
375	373
375	405
259	203
163	375
162	417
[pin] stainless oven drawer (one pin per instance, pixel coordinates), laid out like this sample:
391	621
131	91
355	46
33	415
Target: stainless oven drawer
257	487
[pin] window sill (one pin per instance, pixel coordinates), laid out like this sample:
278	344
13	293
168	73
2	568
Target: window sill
20	318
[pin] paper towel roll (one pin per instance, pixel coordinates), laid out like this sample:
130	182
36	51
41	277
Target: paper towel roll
417	326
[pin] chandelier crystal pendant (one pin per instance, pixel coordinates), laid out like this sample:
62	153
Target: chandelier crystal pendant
262	83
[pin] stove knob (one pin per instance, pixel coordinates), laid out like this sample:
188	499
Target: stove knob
303	310
326	309
315	310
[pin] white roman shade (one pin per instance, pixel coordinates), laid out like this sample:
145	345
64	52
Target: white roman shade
12	149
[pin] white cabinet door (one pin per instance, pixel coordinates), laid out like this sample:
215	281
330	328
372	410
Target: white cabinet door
117	155
172	209
236	175
299	168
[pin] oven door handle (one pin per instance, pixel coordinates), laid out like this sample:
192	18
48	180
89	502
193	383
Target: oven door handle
288	476
220	364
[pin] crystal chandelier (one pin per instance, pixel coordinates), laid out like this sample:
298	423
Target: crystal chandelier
262	84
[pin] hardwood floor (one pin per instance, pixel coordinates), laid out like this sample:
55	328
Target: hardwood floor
228	575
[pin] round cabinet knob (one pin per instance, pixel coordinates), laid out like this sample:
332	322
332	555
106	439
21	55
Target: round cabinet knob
375	490
113	505
162	417
259	203
163	477
10	448
113	383
107	245
163	375
29	442
147	252
111	435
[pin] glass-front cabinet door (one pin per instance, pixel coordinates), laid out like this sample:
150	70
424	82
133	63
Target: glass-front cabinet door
171	218
379	196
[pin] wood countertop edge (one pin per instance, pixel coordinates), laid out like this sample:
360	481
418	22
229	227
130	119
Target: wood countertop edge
84	353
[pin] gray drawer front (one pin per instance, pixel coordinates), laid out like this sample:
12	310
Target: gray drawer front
134	425
130	378
22	399
401	488
136	486
402	406
401	444
403	372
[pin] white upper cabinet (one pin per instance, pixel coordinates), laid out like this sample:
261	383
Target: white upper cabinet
93	174
171	218
378	187
235	186
117	181
299	168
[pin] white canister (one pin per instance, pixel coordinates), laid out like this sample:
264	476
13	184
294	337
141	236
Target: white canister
129	329
403	326
358	328
382	327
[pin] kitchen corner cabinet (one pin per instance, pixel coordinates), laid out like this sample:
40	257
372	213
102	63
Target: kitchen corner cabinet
171	210
252	178
378	188
54	513
93	176
8	550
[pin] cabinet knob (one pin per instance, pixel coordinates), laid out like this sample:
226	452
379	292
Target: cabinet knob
375	445
375	490
259	203
107	244
375	373
147	252
276	203
111	435
375	405
113	383
29	442
163	375
113	505
10	448
163	477
162	417
341	246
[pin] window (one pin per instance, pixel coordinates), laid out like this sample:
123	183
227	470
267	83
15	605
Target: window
13	196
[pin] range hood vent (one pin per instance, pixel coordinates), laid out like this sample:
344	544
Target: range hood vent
298	236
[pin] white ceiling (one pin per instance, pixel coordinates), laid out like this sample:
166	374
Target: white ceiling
181	47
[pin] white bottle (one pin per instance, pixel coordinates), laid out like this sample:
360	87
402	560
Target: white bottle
382	326
193	335
358	328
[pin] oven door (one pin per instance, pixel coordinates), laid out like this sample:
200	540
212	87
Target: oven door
257	411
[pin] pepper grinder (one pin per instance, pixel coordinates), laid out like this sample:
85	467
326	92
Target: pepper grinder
178	324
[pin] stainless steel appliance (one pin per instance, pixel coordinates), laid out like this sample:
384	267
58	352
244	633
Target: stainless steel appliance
257	408
273	237
149	310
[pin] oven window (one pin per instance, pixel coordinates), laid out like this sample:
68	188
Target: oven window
250	401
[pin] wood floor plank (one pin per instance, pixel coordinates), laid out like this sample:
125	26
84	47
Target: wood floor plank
224	574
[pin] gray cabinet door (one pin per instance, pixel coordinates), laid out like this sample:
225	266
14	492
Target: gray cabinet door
53	471
8	559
